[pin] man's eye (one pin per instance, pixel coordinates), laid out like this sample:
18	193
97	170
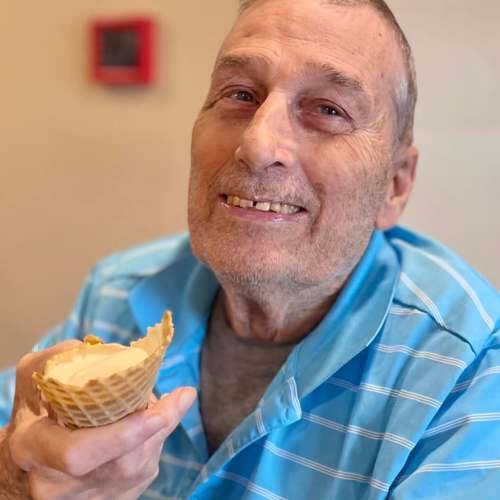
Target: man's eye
324	115
324	109
241	95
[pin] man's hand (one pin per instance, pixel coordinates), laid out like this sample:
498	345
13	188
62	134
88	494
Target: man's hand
44	460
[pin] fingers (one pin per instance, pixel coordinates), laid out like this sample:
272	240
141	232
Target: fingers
107	443
125	477
76	453
46	484
137	466
173	406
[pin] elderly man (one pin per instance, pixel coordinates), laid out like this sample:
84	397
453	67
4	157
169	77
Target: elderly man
334	356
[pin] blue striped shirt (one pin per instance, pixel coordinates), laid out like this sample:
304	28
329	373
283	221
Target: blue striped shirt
393	395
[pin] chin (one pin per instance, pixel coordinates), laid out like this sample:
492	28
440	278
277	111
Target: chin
253	268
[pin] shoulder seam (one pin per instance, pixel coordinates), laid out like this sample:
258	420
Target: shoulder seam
442	327
470	292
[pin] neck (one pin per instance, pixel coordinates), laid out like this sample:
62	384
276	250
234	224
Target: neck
272	315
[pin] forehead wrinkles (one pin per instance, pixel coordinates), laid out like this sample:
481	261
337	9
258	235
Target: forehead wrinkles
354	40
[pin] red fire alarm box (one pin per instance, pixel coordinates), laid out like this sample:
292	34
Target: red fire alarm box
123	51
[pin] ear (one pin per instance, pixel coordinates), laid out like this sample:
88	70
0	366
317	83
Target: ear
399	189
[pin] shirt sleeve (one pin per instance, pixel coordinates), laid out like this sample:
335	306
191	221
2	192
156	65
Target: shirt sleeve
459	454
72	328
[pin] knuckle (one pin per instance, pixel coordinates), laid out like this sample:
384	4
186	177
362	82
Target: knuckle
128	440
136	436
70	463
133	471
127	469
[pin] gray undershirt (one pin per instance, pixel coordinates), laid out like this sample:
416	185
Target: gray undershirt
234	375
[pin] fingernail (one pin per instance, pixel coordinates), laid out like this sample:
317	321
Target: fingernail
186	399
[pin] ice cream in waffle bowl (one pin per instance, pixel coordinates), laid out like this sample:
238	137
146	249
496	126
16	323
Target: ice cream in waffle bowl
97	384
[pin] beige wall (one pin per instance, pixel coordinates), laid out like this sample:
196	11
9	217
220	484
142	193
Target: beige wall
457	200
87	170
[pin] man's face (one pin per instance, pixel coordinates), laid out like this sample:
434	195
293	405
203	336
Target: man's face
291	154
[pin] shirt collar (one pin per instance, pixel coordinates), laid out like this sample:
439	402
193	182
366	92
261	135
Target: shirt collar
187	288
453	294
352	323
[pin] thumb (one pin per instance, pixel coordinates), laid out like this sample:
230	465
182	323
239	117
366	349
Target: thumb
172	407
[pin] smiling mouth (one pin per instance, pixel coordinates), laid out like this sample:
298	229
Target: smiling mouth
262	206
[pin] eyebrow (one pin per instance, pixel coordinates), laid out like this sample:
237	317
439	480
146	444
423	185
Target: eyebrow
239	62
334	76
324	70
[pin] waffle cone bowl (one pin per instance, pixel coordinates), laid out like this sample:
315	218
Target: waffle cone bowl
81	400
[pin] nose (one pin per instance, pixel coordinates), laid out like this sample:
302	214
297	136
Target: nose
268	139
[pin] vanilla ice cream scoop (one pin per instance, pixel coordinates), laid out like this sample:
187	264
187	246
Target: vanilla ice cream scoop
97	384
94	364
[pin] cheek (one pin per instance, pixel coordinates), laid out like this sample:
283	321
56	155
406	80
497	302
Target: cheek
352	183
213	144
336	179
212	150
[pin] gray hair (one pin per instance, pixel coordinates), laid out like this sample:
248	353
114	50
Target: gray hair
406	92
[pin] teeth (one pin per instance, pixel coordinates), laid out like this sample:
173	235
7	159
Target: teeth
289	209
263	206
246	203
